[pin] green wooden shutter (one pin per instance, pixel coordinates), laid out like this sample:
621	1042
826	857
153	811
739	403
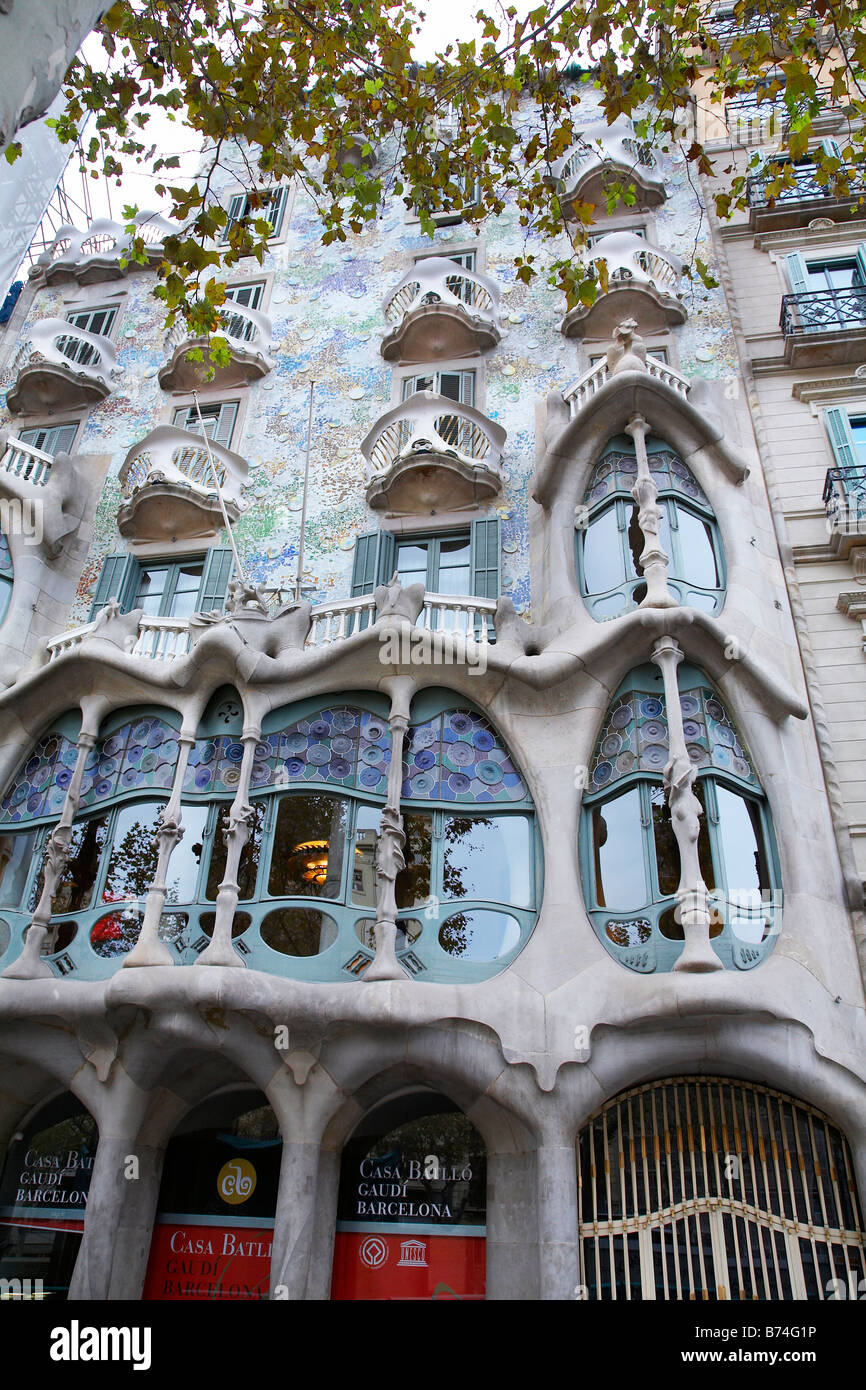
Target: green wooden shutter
485	552
861	261
215	579
225	424
373	561
118	579
274	213
831	148
841	437
237	208
798	275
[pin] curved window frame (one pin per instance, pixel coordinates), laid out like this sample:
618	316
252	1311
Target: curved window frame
655	952
621	502
347	956
7	577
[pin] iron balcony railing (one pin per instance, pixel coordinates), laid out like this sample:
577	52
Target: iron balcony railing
806	185
845	499
824	311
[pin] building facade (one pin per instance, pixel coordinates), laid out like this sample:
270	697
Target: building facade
470	906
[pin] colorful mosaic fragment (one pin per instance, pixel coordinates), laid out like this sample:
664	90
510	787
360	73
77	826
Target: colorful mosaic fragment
39	789
617	472
139	756
458	757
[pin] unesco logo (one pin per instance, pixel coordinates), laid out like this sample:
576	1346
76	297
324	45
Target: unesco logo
373	1252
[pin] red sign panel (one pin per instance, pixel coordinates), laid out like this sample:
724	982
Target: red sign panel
381	1265
204	1262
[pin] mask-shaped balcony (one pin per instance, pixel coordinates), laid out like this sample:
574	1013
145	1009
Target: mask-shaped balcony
643	284
248	335
61	367
169	489
606	154
88	257
431	454
440	311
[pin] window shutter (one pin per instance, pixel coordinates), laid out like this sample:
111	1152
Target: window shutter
861	261
841	437
831	148
117	579
485	557
373	563
274	213
225	424
218	568
798	276
237	208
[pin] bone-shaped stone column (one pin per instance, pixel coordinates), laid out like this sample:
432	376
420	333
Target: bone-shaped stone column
693	900
30	965
237	832
654	561
148	949
392	837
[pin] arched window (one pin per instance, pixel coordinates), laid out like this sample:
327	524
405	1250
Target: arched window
307	876
629	854
44	1184
702	1188
609	540
6	576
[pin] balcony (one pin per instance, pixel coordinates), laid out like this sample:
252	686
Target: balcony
169	639
22	463
440	311
432	454
604	154
88	257
581	392
805	196
169	488
643	284
61	367
845	503
824	328
248	335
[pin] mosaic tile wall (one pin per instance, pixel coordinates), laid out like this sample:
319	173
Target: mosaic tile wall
327	324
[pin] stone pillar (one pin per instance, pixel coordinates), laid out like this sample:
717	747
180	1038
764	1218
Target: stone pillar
392	837
294	1220
121	1205
240	819
148	949
324	1226
693	900
30	965
512	1244
654	561
558	1218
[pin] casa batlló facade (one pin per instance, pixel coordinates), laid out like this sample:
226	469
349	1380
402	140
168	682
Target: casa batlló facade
477	920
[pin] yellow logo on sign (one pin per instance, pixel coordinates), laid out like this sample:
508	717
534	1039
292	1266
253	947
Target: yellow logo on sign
236	1181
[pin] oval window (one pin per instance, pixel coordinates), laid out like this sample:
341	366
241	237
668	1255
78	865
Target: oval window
64	934
117	932
479	935
408	930
298	931
240	923
5	936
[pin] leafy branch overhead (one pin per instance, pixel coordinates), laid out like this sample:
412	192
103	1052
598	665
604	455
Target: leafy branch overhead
309	89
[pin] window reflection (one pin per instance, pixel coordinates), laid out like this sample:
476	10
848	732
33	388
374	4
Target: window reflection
16	859
697	560
479	935
309	839
364	858
620	878
75	887
487	858
602	557
249	860
299	931
134	852
412	885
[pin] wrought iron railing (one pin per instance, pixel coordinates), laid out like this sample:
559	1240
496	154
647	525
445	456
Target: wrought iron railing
845	499
806	185
824	311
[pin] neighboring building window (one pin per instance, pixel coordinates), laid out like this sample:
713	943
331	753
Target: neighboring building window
836	286
218	419
272	207
165	588
51	439
307	873
6	576
610	543
630	857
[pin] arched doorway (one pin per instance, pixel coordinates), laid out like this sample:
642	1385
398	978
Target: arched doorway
411	1215
214	1225
43	1195
715	1189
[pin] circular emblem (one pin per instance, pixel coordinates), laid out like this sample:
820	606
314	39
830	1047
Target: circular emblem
373	1252
236	1181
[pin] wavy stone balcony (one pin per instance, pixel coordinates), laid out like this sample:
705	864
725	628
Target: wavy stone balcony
581	392
169	487
168	639
643	284
604	154
88	257
432	453
24	464
61	367
248	335
440	311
